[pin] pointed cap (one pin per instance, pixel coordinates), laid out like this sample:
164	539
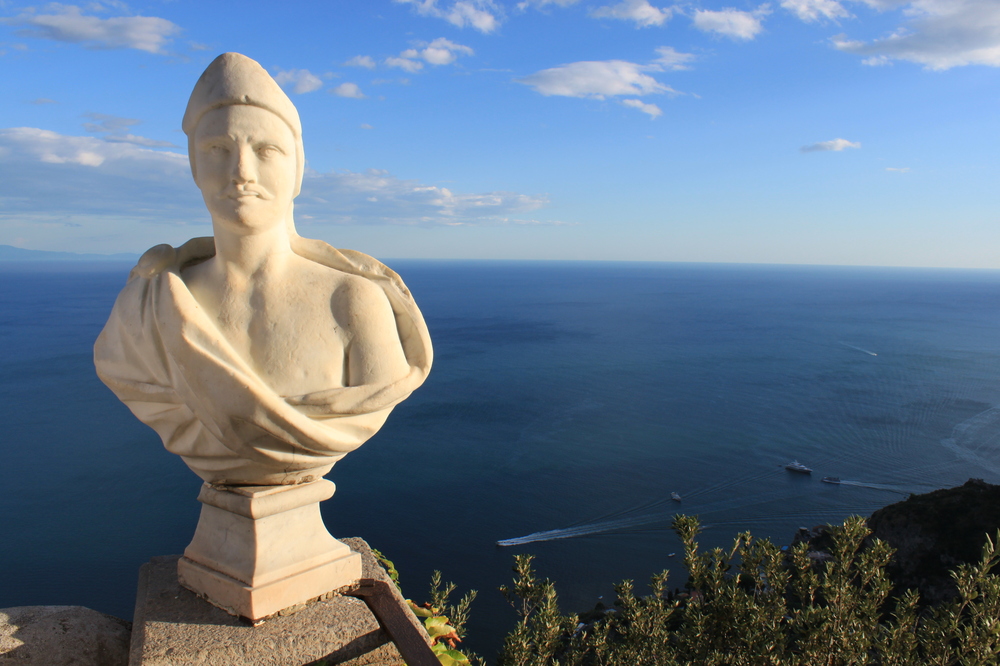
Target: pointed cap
233	78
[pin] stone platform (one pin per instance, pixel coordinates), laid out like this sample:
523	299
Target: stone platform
174	627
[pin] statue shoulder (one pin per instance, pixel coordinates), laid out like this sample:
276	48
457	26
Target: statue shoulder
361	301
159	258
360	289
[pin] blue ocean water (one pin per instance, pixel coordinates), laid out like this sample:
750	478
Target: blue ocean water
564	395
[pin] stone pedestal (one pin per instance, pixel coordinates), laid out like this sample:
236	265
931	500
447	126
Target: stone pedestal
174	627
260	549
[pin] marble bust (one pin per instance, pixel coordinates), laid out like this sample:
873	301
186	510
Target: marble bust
259	356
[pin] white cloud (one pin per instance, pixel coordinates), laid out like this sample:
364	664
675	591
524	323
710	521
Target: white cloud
439	52
670	58
884	5
69	24
898	169
139	141
53	178
300	80
540	4
366	126
732	23
50	176
112	127
443	52
640	11
361	61
876	61
835	145
405	63
105	123
375	196
348	90
815	10
596	79
651	109
28	144
938	34
483	15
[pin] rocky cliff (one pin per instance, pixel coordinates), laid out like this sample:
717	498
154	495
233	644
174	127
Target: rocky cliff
935	532
932	535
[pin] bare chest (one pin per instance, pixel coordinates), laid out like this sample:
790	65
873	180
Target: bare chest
286	332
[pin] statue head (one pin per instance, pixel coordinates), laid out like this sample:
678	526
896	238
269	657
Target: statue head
236	92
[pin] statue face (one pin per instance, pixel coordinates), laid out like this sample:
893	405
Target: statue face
245	167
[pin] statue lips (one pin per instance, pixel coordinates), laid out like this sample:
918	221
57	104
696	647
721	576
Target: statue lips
242	198
238	194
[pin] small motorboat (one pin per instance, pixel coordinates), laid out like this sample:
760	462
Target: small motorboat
830	479
675	497
796	466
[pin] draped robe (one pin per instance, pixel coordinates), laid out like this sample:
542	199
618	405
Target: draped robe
165	358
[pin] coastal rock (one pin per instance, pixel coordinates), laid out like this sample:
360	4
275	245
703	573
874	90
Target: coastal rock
932	534
935	532
62	636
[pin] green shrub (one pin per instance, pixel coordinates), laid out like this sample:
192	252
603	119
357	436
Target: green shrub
443	620
756	605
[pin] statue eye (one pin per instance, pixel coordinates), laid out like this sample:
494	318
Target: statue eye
217	150
269	151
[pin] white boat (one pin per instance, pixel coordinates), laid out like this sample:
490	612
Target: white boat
675	497
830	479
796	466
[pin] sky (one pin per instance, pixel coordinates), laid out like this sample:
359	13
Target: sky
855	132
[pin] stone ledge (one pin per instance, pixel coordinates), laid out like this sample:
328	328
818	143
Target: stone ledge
62	635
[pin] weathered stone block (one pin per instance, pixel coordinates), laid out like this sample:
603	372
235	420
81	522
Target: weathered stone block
62	636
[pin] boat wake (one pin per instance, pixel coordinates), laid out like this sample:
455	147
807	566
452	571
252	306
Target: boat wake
875	486
977	440
870	353
586	530
762	506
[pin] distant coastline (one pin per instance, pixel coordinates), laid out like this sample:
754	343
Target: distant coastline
11	256
9	253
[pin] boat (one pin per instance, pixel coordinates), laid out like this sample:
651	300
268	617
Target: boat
796	466
830	479
675	497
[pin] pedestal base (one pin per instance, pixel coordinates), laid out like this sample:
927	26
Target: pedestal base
174	627
260	549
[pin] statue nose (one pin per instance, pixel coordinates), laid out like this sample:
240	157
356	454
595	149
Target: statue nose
244	169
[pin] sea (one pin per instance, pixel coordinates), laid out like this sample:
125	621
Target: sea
567	401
